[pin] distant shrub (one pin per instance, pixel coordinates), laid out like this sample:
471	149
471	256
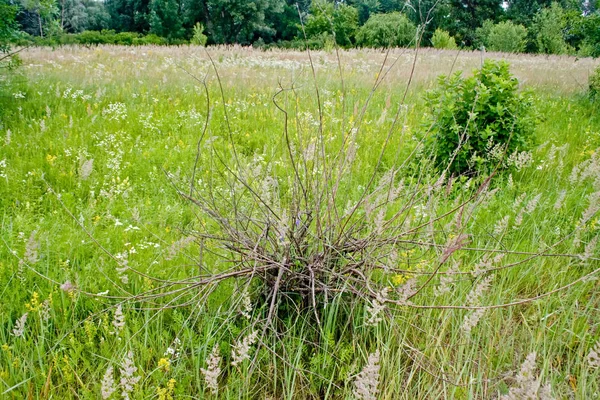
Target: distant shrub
199	37
325	19
548	28
474	121
504	36
442	40
595	84
387	30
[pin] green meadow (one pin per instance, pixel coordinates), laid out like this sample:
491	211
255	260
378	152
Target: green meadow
111	265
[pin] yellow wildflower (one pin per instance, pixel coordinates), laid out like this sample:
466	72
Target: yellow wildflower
164	364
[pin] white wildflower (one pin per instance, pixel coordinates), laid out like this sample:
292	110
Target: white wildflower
365	385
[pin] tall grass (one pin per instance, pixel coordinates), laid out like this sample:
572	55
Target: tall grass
139	117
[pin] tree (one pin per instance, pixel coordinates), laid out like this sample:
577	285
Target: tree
467	15
44	12
442	40
129	15
549	28
8	25
387	30
165	19
503	36
365	9
340	20
241	21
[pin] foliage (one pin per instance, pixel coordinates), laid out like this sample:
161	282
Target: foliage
96	38
475	121
165	19
339	20
8	26
594	84
549	30
442	40
465	16
387	30
503	36
199	37
241	21
45	12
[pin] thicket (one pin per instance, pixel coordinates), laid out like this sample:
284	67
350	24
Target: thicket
442	40
594	84
479	123
557	28
387	30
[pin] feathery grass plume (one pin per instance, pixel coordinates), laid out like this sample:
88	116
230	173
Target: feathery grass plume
376	307
31	249
241	350
593	358
19	328
177	246
560	200
471	320
128	378
118	319
212	371
366	382
590	249
86	168
528	385
501	225
246	309
108	384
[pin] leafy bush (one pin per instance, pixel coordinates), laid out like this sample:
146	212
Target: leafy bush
387	30
475	121
595	84
199	37
442	40
325	18
548	28
504	36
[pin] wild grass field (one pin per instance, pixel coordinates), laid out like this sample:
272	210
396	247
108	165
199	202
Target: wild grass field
133	180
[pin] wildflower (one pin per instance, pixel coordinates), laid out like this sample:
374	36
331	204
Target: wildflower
128	380
19	328
241	350
108	384
365	385
164	364
34	304
212	371
166	393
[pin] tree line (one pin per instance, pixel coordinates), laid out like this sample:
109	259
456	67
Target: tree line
544	26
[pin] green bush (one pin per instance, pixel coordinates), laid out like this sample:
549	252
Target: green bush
325	19
595	84
442	40
548	27
474	121
506	37
199	37
387	30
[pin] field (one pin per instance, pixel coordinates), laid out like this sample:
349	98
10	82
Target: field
112	259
